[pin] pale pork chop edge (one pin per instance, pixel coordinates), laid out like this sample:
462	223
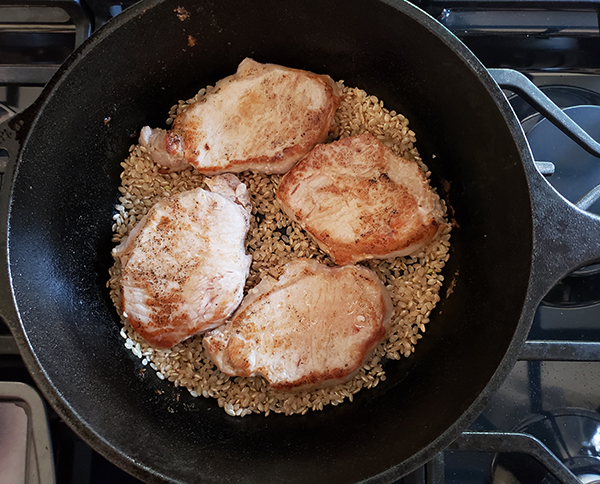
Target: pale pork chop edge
227	282
238	127
222	344
337	237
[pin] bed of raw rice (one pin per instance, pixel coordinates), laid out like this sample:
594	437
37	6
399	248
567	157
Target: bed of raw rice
413	282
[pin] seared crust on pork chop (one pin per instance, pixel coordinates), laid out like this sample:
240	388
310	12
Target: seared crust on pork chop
314	326
359	200
184	264
263	118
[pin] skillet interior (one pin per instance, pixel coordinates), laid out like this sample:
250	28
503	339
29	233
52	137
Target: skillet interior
65	189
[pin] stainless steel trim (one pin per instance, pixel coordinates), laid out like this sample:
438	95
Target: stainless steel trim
40	464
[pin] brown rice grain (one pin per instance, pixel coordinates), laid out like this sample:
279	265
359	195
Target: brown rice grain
413	282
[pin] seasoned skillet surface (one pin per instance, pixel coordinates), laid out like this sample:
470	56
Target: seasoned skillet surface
65	188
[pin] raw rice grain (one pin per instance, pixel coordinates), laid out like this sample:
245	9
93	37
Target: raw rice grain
413	282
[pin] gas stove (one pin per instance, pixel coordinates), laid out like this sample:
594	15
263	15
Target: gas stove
543	424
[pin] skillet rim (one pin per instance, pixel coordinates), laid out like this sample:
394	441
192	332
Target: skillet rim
68	413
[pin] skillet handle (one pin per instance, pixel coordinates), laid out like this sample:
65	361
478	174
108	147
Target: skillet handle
9	144
12	134
565	236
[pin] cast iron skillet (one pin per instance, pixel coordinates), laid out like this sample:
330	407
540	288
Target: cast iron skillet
515	238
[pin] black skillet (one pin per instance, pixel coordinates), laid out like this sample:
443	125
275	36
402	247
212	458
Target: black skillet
515	238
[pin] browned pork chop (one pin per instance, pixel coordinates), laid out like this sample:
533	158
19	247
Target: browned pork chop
359	200
263	118
315	326
184	264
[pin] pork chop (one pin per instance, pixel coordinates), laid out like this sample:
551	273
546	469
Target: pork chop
314	326
263	118
184	264
359	200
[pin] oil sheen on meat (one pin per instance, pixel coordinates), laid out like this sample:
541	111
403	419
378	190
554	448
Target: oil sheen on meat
184	264
359	200
263	118
315	326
